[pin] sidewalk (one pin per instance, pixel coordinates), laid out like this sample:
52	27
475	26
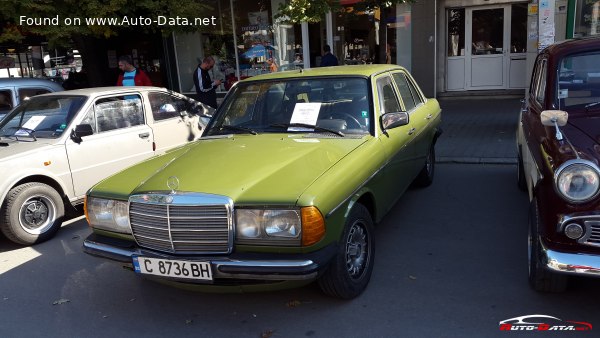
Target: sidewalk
478	130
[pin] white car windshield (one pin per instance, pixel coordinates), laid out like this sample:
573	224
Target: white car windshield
41	117
334	105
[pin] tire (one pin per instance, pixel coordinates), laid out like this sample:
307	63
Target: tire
425	177
32	213
540	278
350	271
521	182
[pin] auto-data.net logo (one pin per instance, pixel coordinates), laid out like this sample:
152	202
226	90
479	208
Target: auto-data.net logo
542	323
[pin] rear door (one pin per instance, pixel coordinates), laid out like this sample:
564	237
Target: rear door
121	138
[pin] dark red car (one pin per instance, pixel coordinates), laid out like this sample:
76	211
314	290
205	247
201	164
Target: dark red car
558	141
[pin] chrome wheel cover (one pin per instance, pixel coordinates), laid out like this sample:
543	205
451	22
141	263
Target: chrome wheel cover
37	214
358	250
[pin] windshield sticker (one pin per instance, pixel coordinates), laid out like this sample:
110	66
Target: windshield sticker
305	113
32	123
563	93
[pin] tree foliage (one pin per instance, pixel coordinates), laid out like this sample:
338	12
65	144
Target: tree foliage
14	29
296	11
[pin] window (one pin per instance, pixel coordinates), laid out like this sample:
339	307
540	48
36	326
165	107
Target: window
25	93
541	83
118	112
165	106
6	102
387	97
405	92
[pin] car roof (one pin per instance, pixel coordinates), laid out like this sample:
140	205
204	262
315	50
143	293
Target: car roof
348	70
573	46
19	81
96	91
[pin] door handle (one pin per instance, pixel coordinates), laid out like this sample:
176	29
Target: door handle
144	135
429	116
411	131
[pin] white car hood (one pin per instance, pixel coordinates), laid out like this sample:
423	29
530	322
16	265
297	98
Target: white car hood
11	149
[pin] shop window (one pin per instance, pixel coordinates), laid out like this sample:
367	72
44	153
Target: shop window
587	20
518	28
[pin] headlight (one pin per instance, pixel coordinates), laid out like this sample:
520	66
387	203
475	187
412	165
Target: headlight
578	181
111	215
257	226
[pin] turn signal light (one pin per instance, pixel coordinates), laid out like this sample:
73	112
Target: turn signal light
313	226
85	210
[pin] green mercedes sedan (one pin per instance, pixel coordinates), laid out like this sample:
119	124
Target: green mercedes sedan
286	185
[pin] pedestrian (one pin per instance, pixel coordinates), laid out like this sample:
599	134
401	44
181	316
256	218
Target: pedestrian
272	65
205	87
328	59
131	75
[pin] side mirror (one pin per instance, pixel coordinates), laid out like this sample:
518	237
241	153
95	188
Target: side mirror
166	108
394	120
556	118
552	117
80	131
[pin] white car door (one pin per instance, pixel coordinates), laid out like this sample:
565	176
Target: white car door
121	138
175	120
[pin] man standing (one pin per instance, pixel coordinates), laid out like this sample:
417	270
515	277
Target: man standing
328	59
131	76
205	87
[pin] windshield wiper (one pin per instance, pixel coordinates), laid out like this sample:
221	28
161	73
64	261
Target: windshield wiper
29	132
306	125
590	105
247	130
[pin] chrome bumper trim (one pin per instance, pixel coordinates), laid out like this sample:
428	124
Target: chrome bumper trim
222	267
571	263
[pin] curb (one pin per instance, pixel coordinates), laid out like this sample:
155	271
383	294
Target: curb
477	160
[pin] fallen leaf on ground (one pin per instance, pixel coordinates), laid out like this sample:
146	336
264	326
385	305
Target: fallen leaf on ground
188	321
412	277
60	301
267	334
293	303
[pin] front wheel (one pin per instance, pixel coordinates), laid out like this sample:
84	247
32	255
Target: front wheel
32	213
350	271
540	278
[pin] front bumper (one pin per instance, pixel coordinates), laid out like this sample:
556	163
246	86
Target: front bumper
243	266
571	263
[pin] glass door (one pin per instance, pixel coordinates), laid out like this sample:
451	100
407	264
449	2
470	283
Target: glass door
487	47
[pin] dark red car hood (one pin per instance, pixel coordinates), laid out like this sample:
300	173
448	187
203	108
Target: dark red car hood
584	134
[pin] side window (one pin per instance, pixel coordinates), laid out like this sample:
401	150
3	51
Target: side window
540	92
415	91
6	102
165	106
387	96
405	92
24	93
118	112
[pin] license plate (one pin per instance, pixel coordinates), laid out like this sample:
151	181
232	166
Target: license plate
173	268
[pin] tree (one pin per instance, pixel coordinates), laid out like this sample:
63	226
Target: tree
296	11
50	18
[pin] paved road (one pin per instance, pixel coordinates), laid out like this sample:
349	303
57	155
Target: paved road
450	262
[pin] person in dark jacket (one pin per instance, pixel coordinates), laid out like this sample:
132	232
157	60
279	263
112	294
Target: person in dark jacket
131	76
328	59
205	87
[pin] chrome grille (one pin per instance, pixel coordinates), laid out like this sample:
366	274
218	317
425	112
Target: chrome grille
182	225
594	228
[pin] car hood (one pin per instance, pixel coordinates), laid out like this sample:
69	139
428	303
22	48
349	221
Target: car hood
266	169
10	148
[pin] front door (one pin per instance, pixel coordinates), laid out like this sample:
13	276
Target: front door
492	54
486	48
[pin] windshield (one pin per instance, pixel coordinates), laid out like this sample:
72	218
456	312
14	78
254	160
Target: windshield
338	105
41	117
579	82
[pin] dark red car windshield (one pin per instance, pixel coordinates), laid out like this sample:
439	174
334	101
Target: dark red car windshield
578	86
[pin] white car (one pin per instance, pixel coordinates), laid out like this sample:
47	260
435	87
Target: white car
54	147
